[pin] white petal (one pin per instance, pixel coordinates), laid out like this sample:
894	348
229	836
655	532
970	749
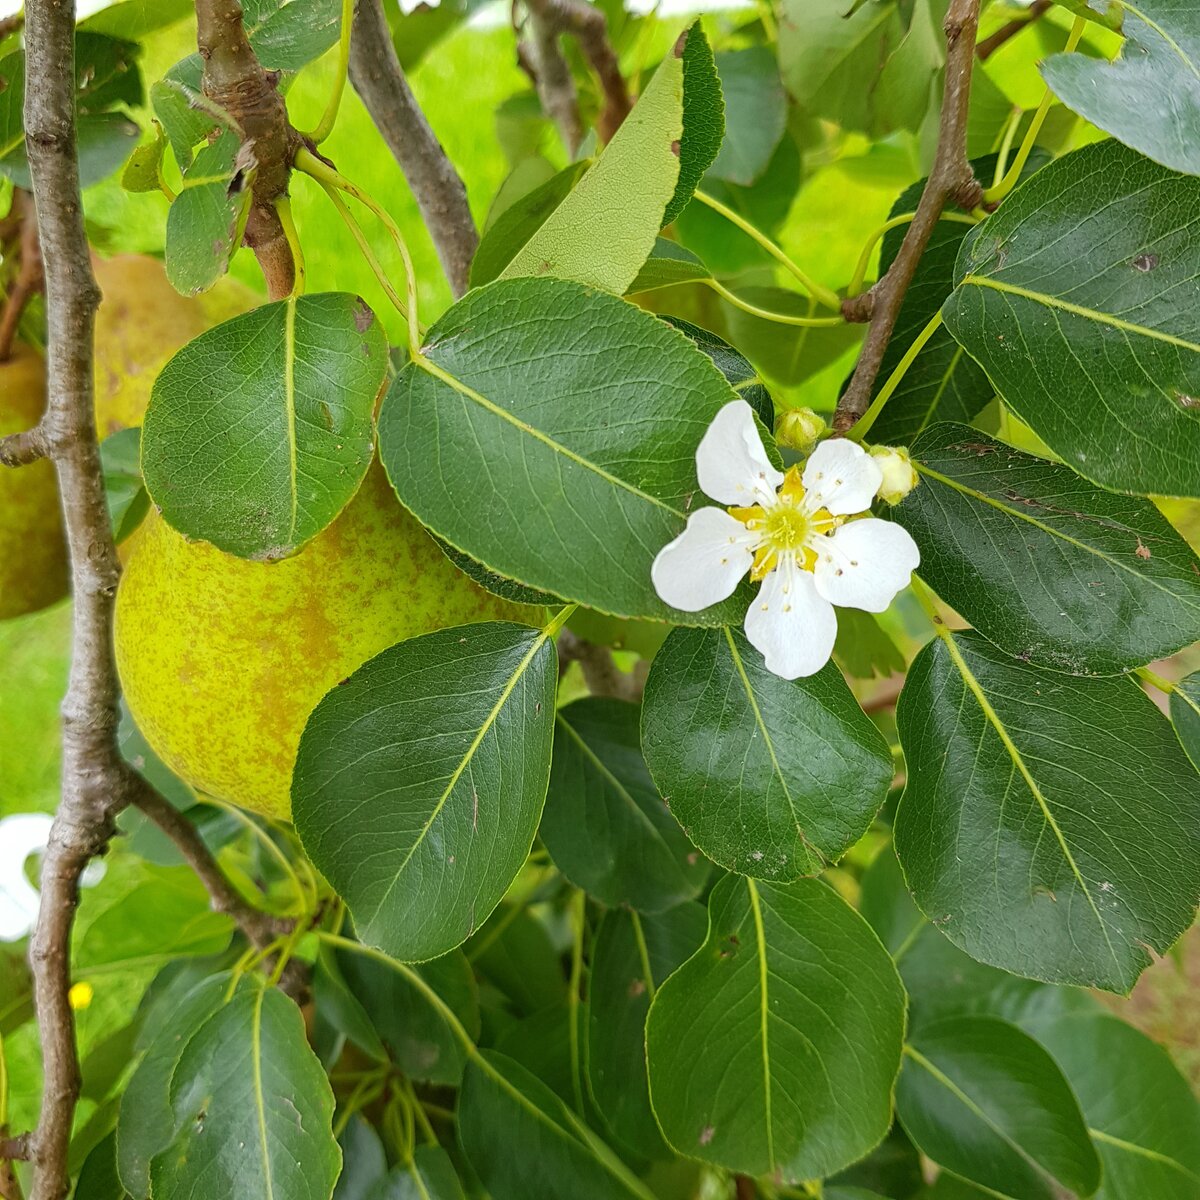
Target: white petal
731	464
789	624
842	477
705	563
865	563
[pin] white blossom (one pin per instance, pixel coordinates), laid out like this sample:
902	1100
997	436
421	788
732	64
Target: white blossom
803	535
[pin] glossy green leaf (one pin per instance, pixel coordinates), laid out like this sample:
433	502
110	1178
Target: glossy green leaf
733	365
518	223
541	1043
523	1141
941	980
417	1039
420	780
1071	297
831	57
1051	569
605	825
771	777
98	1178
668	264
340	1008
755	113
259	431
773	1050
577	416
428	1175
1050	825
514	952
984	1100
1142	1114
1149	98
630	959
364	1160
146	1125
136	18
604	230
863	648
206	220
1185	715
703	118
492	581
252	1108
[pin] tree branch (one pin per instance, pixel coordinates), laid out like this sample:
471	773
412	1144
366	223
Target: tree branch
29	275
553	80
601	674
992	43
94	778
950	180
21	449
236	80
379	80
14	1149
258	926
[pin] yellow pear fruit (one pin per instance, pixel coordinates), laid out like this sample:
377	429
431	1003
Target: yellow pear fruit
142	321
223	659
33	552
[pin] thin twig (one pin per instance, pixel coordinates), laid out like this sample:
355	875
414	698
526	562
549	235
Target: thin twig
15	1149
29	274
377	77
950	180
21	449
993	42
94	777
601	674
589	27
235	80
9	25
259	927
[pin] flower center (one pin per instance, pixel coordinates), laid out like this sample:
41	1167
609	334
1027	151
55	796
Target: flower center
787	527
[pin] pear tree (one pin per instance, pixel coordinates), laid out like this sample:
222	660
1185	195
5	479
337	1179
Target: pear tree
622	595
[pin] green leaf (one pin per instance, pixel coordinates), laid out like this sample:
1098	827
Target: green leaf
123	490
288	34
420	780
259	431
863	648
136	18
773	1050
523	1141
143	171
984	1100
579	415
428	1175
364	1160
755	113
98	1179
418	1041
733	365
605	825
252	1108
146	1125
703	118
1141	1112
188	117
771	777
515	954
341	1008
1050	825
631	957
1070	298
831	61
604	230
1052	570
1149	98
498	585
941	980
668	264
206	220
1185	715
417	31
518	223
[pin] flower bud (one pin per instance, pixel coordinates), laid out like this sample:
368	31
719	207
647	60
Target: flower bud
899	475
799	429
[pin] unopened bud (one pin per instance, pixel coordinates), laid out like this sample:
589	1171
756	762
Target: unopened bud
899	475
800	429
